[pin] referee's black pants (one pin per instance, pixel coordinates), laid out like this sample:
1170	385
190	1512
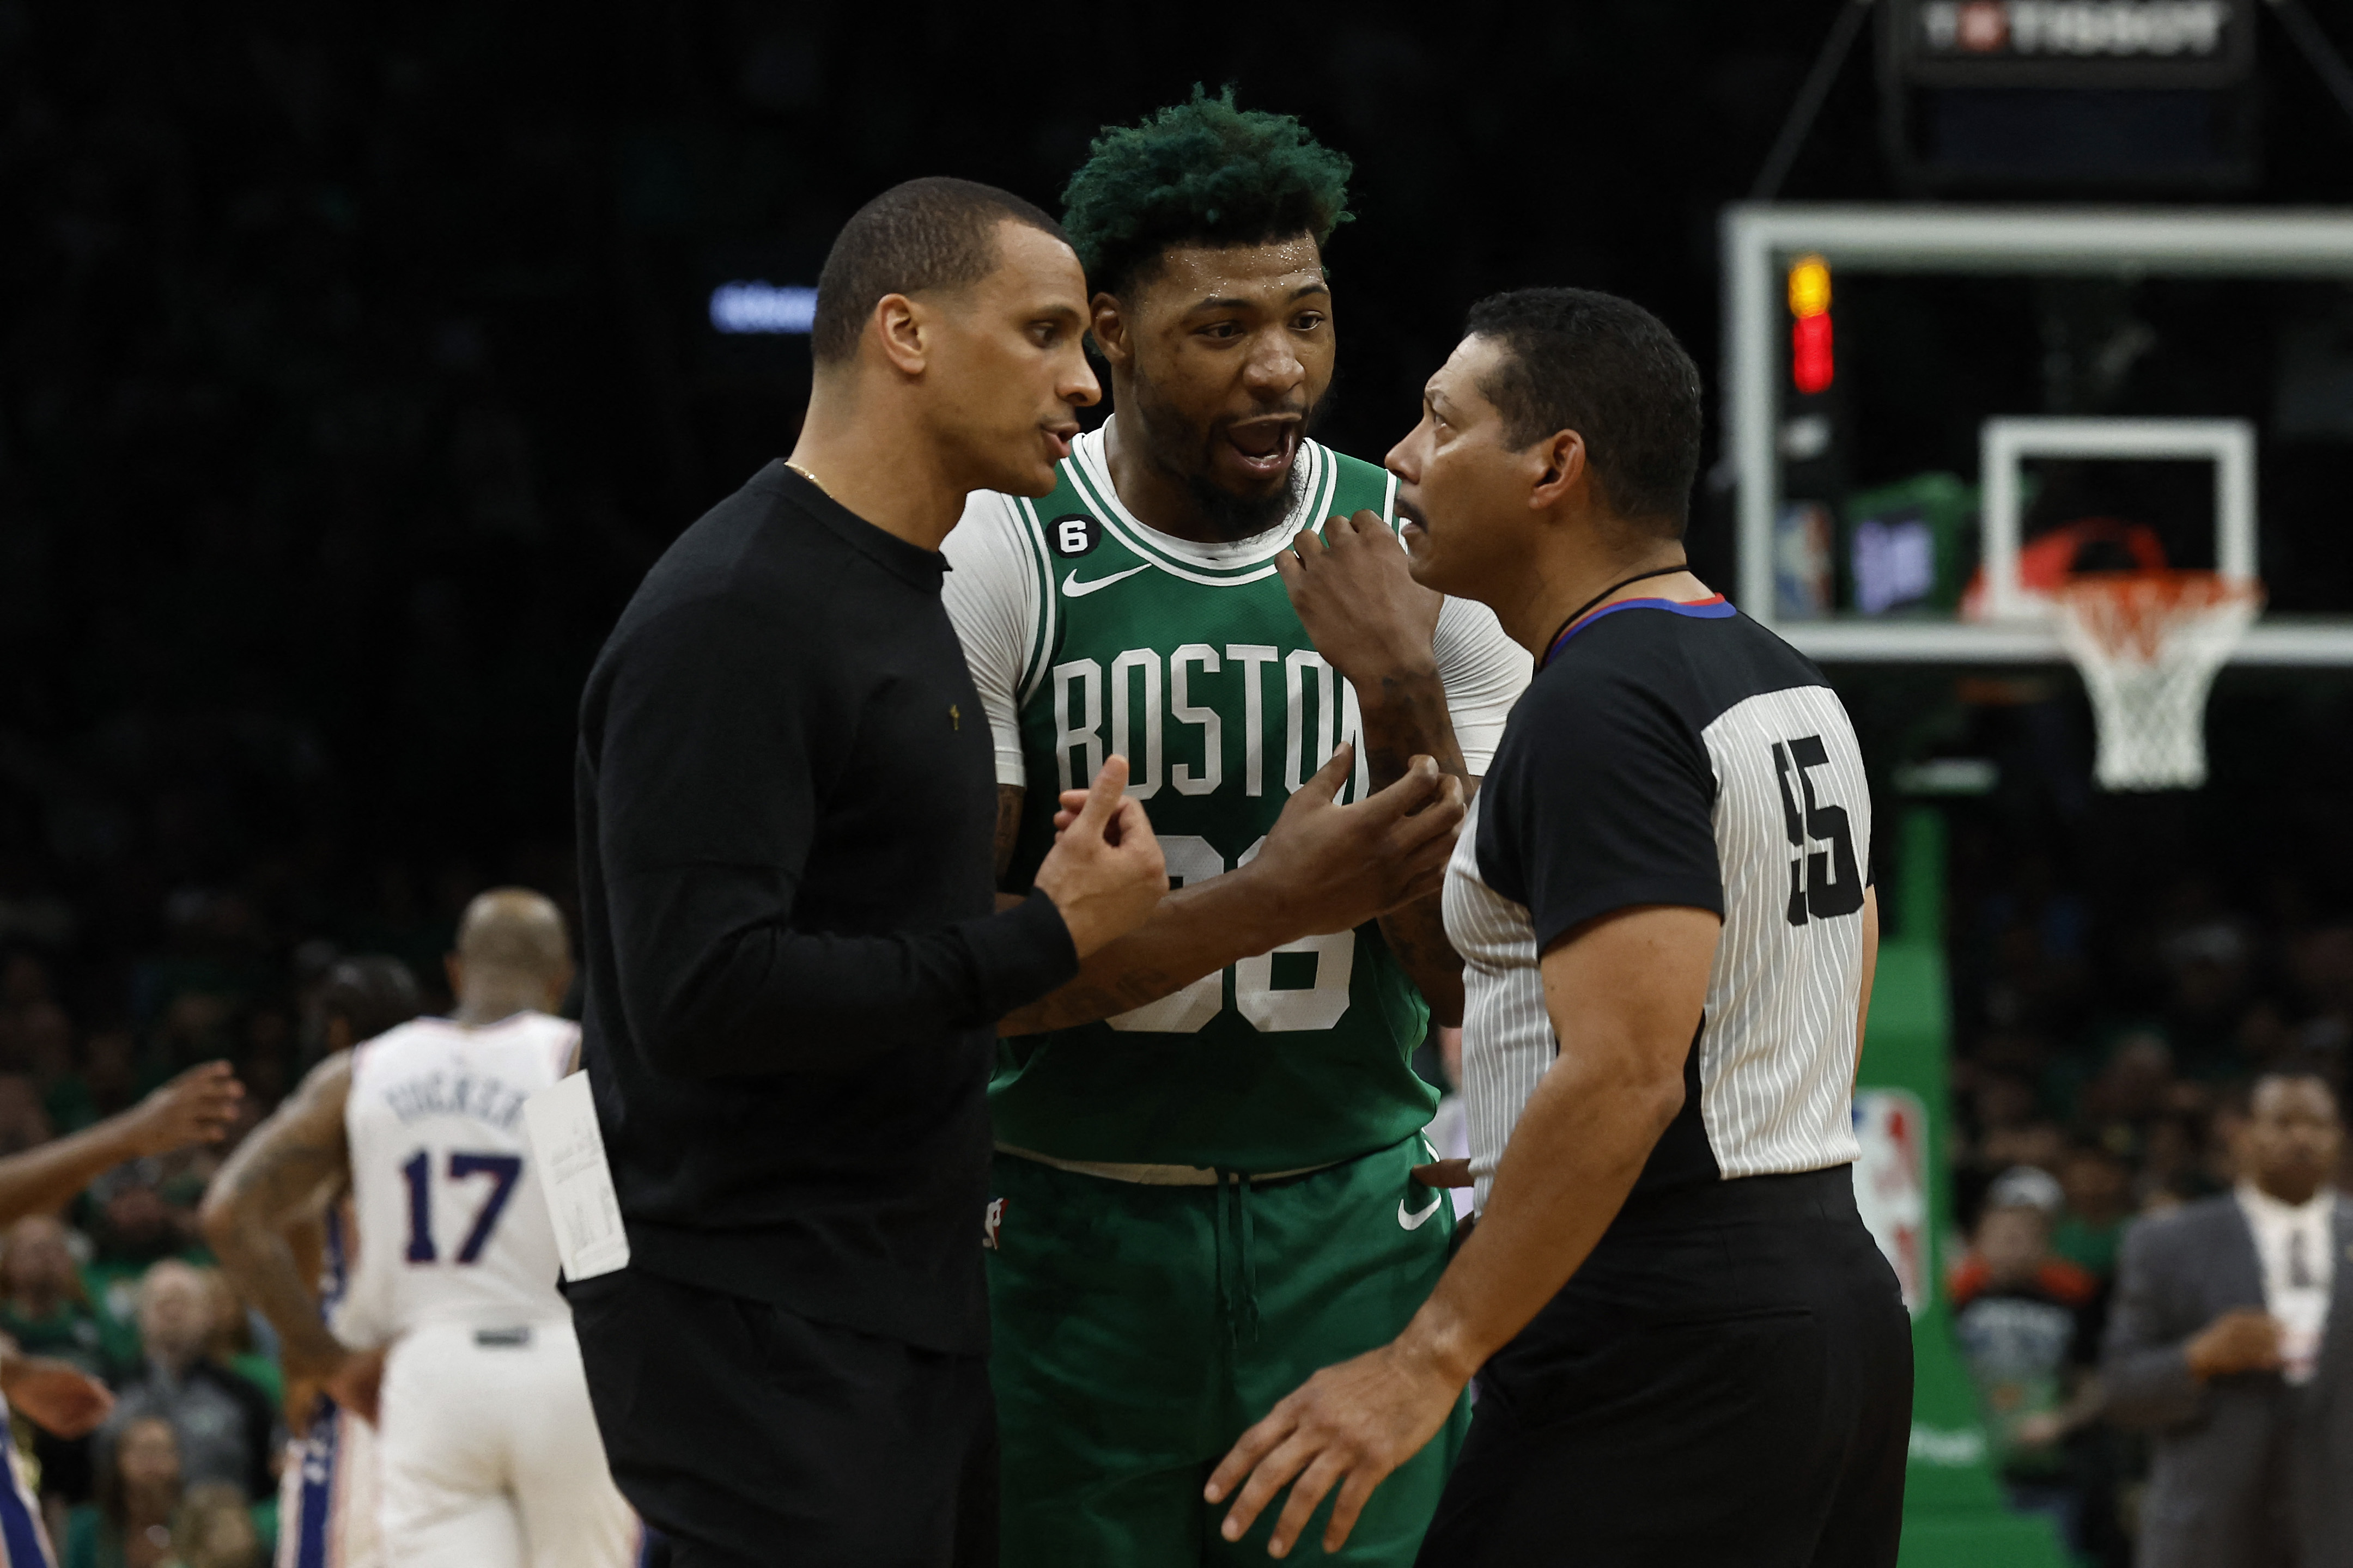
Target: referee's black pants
1727	1382
752	1437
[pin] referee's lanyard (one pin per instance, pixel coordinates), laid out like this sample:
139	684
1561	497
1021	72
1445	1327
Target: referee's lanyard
1568	626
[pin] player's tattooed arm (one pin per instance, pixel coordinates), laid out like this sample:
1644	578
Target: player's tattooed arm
1417	935
1375	625
282	1174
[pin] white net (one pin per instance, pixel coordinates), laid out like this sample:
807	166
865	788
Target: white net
2148	645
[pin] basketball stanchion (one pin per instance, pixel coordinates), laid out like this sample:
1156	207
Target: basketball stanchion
2148	645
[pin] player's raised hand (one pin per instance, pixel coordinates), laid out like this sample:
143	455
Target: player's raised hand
1356	594
1341	865
1105	873
1336	866
198	1107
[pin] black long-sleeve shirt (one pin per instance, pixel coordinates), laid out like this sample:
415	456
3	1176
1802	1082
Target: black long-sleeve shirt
786	812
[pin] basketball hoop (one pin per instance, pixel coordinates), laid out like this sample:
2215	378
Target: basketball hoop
2148	645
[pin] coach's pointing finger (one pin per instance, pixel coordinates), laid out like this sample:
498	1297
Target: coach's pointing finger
1105	873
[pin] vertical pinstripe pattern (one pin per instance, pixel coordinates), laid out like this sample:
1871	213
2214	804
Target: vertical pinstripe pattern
1507	1039
1777	1048
1776	1055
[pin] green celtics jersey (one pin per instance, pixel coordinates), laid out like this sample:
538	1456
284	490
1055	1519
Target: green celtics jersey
1189	660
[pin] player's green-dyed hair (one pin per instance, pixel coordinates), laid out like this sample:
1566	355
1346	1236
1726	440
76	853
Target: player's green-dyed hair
1201	171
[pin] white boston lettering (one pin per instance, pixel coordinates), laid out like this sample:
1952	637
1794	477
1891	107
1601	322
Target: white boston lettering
1250	656
1296	767
1087	675
1186	712
1142	774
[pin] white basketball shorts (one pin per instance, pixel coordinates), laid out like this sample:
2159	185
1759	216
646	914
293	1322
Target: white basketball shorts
490	1456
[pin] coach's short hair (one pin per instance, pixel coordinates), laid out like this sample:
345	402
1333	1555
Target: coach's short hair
935	232
1575	358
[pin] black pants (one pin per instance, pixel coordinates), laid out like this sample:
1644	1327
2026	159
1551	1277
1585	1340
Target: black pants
754	1438
1727	1382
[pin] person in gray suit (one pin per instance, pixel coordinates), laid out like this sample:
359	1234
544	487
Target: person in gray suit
2231	1341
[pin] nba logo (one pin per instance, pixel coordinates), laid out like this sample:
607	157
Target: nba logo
1891	1183
993	1217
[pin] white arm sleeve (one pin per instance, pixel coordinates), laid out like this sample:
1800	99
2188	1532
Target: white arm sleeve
1484	671
991	595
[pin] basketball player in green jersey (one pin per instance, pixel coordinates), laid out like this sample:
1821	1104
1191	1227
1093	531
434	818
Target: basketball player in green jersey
1203	1190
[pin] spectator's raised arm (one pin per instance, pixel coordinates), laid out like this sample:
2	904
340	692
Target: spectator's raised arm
194	1107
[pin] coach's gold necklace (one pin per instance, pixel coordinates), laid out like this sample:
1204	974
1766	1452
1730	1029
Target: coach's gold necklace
810	477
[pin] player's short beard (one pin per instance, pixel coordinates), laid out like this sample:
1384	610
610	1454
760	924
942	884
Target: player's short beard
1176	450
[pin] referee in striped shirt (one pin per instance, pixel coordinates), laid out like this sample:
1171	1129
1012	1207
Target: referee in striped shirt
1688	1349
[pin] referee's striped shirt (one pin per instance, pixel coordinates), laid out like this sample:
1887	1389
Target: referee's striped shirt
1675	754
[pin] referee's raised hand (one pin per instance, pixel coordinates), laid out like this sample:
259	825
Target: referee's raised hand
1105	873
1348	1427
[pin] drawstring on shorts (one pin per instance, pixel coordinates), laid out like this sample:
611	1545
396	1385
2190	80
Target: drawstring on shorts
1240	1297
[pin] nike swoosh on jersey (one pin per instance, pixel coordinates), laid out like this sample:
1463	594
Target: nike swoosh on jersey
1074	589
1413	1221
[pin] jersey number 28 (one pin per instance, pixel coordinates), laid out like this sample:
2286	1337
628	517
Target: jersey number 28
504	1171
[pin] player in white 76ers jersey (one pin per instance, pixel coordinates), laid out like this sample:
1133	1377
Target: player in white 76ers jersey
453	1340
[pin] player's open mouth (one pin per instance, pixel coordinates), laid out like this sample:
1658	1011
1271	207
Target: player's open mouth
1059	438
1412	527
1264	447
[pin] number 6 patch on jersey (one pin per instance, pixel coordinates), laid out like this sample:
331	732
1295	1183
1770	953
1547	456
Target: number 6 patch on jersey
1074	533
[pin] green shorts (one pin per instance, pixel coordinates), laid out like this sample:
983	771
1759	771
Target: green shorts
1139	1330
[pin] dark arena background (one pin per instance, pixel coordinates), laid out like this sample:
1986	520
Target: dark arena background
356	364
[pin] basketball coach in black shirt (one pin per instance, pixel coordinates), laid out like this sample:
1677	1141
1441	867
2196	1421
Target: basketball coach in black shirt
786	808
1688	1348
